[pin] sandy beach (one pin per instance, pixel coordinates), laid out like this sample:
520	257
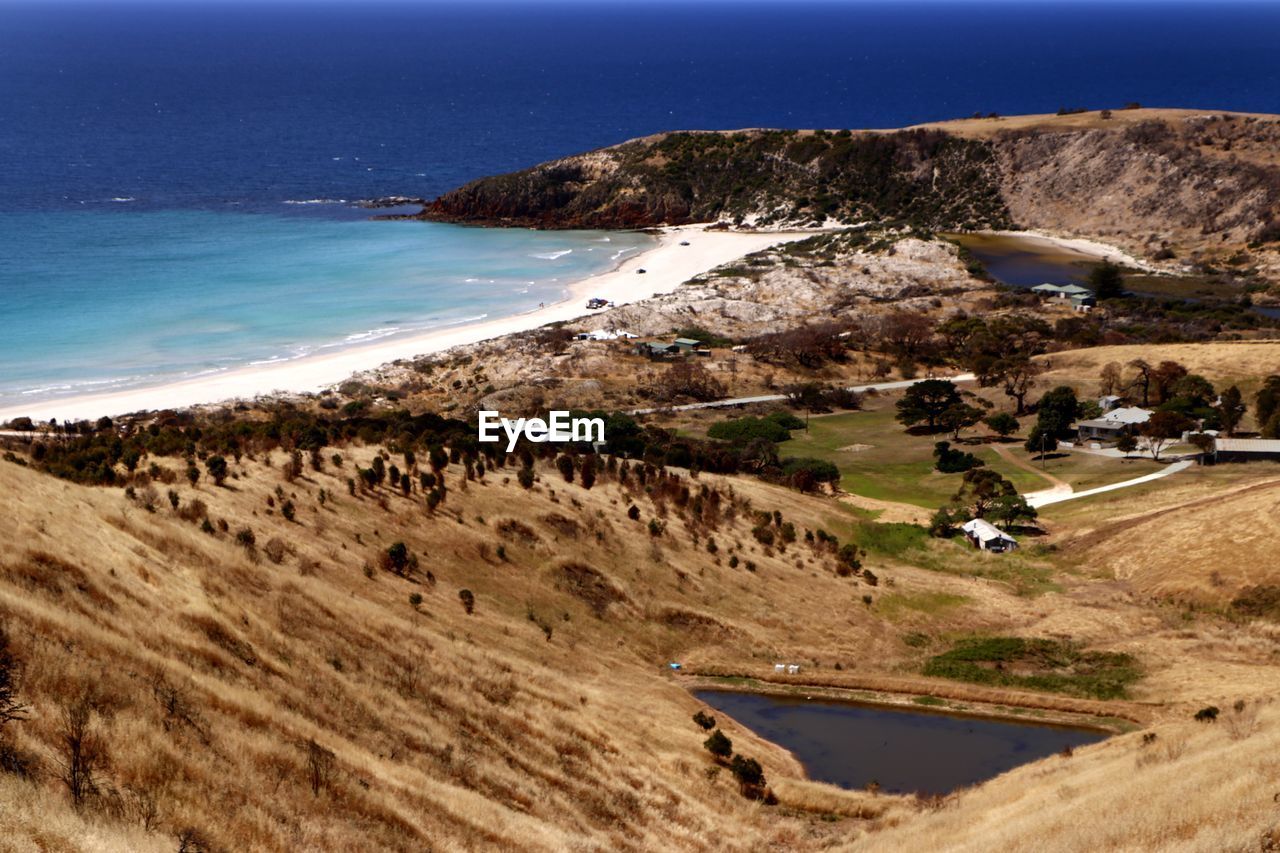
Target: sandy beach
1092	248
666	266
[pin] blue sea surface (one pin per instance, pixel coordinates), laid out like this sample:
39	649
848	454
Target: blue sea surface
102	301
155	157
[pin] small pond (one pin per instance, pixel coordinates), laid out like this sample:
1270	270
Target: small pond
1026	262
905	751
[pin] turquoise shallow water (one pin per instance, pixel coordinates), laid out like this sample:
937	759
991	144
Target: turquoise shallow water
97	301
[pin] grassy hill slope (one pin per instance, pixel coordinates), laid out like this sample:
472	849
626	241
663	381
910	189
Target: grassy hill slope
285	690
210	669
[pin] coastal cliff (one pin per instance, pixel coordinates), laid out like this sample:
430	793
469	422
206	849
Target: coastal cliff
1146	177
762	176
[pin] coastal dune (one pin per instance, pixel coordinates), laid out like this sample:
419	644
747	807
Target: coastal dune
666	265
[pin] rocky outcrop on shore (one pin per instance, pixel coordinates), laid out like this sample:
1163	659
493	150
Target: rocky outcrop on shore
796	284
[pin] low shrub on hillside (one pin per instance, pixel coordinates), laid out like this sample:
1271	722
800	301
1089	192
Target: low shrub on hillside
719	745
1258	602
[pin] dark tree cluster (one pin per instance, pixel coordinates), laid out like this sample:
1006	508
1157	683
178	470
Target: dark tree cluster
809	346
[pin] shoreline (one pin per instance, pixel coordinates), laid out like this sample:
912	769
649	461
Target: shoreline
668	265
1080	245
904	700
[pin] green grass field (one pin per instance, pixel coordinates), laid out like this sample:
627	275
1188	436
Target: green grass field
894	465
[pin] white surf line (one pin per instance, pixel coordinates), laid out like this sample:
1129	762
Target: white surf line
1058	494
774	398
679	254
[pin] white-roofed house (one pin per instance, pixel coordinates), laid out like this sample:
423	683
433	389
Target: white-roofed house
988	537
1112	424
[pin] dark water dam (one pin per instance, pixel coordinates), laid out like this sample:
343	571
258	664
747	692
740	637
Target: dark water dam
853	745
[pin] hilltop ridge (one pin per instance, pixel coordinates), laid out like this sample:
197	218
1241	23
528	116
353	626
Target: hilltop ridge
1144	177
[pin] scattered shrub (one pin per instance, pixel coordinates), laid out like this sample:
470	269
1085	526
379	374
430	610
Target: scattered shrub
245	539
1208	715
397	560
217	468
275	549
750	776
719	745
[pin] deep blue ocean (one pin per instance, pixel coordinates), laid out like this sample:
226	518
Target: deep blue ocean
152	150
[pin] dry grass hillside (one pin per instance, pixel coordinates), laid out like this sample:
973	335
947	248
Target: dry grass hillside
980	128
1222	363
1141	177
285	690
1166	551
210	671
1179	787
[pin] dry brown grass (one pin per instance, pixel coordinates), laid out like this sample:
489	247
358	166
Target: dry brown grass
211	667
437	735
32	821
1091	119
1222	362
1195	787
545	720
1202	540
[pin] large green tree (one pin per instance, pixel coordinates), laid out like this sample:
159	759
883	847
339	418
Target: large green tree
1163	429
979	489
1106	280
1267	401
1057	410
1041	441
926	401
999	352
1231	410
960	416
1009	510
1002	424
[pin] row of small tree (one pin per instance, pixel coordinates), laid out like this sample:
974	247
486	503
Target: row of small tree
747	771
